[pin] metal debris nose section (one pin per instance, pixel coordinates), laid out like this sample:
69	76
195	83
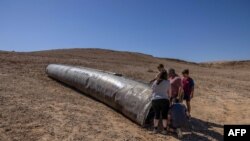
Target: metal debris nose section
129	97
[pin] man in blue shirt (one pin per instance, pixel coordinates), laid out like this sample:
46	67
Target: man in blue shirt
178	117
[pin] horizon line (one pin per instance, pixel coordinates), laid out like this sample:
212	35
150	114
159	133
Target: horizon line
107	49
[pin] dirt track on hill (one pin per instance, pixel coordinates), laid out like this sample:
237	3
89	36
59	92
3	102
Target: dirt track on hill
35	107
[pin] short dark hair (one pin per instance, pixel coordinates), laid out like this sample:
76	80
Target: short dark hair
171	70
160	66
186	71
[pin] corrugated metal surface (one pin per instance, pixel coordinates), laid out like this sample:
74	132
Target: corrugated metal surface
127	96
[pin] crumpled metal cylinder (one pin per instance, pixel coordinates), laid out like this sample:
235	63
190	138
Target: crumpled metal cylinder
129	97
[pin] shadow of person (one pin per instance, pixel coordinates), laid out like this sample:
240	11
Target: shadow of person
201	130
194	137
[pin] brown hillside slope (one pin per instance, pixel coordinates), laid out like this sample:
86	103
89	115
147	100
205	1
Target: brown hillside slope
35	107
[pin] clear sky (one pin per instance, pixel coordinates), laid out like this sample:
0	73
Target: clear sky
193	30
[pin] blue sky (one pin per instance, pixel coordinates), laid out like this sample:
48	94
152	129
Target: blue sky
193	30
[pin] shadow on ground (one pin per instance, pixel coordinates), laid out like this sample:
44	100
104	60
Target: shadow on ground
202	130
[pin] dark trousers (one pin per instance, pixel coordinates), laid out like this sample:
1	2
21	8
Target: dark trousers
161	107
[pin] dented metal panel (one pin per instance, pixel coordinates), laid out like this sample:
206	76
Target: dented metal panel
127	96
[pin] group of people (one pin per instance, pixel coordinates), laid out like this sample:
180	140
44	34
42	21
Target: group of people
169	90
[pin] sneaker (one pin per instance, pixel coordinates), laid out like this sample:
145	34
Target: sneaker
164	132
179	133
155	131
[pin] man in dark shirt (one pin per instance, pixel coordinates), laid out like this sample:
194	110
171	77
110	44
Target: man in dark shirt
161	70
188	89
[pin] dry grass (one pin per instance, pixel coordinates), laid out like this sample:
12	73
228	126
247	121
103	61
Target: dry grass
34	107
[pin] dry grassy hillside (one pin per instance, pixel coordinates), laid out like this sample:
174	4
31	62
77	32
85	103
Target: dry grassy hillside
35	107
